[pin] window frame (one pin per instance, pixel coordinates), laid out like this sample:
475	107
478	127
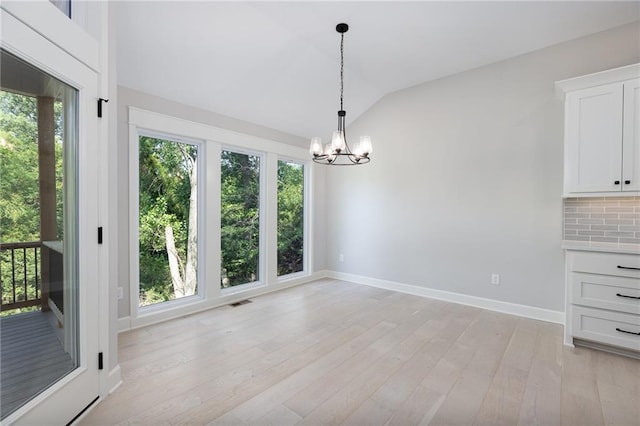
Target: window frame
306	188
135	289
262	225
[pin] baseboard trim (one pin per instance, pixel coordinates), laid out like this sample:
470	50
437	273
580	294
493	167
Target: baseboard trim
557	317
532	312
124	324
129	323
114	379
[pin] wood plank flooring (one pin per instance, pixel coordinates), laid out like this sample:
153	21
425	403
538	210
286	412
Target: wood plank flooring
31	359
332	352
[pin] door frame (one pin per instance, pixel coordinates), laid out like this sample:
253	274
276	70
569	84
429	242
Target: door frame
63	401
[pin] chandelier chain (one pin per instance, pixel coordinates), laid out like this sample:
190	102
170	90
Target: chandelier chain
341	69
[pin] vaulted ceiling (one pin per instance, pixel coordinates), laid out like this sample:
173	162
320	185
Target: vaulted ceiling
277	63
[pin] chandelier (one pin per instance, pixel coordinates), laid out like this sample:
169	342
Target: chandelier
337	152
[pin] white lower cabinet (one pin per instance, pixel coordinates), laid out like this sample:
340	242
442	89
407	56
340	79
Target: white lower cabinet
608	327
603	300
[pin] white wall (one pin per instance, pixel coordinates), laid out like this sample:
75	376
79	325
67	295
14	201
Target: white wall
128	97
466	178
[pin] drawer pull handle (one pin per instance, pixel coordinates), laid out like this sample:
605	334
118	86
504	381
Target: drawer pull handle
628	297
628	332
628	267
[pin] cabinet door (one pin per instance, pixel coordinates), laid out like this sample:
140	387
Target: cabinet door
631	137
593	137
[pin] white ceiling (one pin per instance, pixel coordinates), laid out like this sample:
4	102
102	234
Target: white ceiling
277	63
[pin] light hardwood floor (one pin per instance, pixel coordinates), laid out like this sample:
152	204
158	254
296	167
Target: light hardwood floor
332	352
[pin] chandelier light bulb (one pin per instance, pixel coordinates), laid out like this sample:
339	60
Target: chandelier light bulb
365	146
315	148
329	153
357	149
337	141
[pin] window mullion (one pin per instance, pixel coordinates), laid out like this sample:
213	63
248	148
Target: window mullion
211	219
270	200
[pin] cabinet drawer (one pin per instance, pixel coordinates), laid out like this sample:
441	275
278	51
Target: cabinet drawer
604	327
605	263
606	292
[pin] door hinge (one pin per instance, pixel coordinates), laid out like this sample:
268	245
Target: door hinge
100	101
100	235
100	363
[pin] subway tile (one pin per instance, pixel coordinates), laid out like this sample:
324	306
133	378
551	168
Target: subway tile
629	216
604	239
576	215
617	221
619	209
619	234
604	216
619	198
635	240
576	238
602	227
591	221
590	209
574	226
602	219
594	233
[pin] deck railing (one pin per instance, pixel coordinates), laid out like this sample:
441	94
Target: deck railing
20	275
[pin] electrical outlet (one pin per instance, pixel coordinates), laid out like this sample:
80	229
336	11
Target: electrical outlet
341	257
495	279
120	293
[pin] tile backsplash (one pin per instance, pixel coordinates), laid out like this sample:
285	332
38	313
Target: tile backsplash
602	220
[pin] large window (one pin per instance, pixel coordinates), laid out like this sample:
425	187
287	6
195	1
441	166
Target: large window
240	218
236	224
290	217
168	220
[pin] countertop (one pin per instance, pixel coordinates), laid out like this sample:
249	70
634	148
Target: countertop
602	247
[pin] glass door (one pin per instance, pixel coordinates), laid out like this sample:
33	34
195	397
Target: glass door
48	218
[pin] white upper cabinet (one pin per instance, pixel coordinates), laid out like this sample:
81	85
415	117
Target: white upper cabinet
602	133
631	136
593	138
